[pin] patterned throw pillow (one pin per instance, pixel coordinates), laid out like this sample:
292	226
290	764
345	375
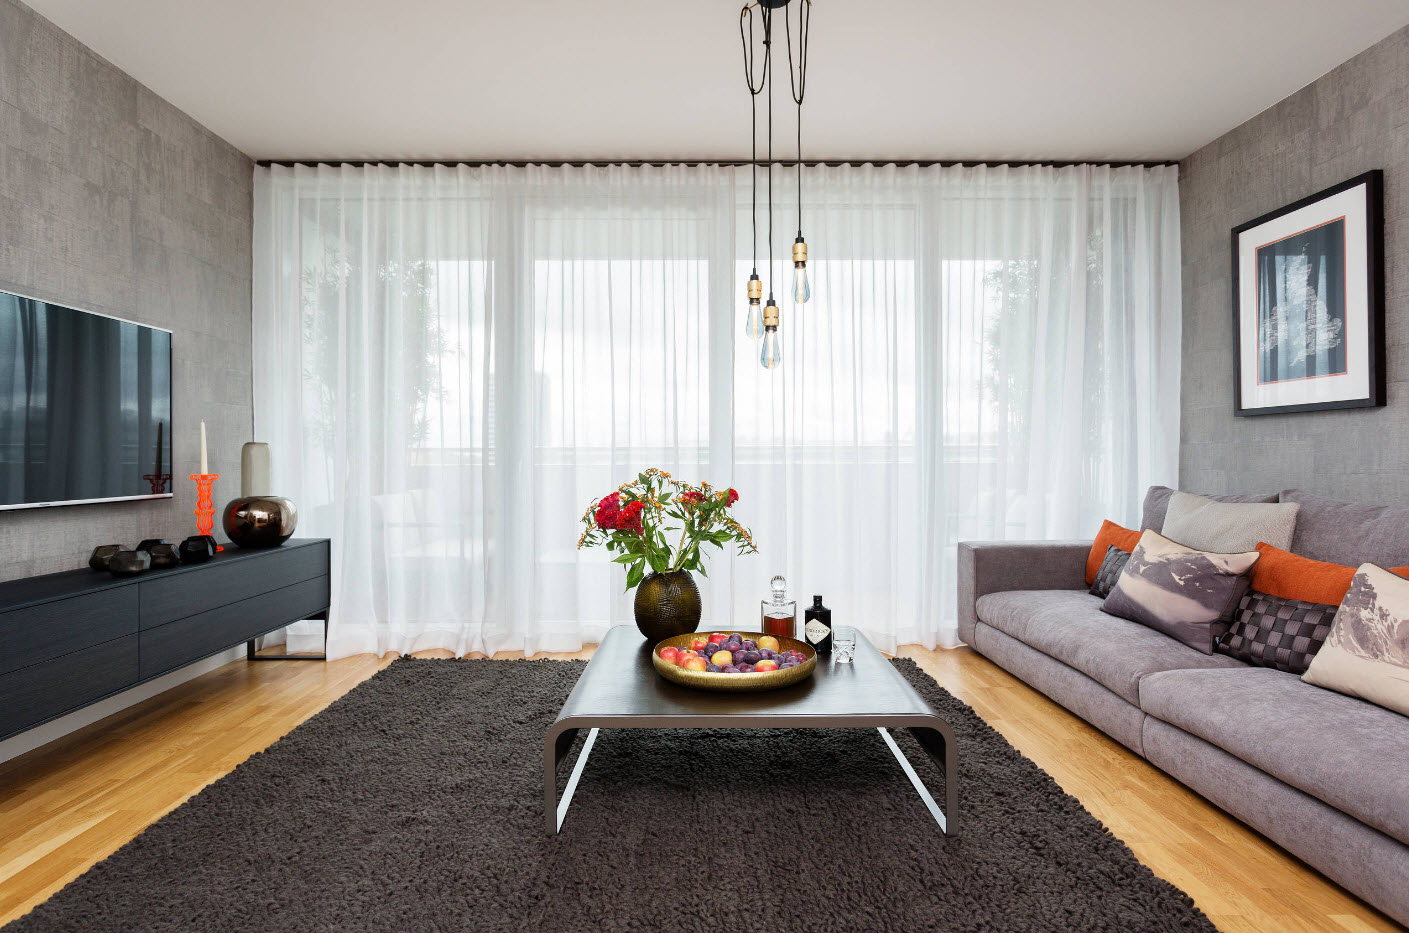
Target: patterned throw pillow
1273	631
1109	572
1367	653
1188	595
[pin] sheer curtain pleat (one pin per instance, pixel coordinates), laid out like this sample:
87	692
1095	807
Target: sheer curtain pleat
452	362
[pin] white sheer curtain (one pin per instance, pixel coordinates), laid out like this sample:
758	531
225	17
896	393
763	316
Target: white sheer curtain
452	362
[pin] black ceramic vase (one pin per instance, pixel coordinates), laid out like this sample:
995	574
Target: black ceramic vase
259	521
98	560
197	549
129	563
667	604
164	554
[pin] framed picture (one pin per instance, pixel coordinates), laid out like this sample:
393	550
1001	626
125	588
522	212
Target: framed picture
1308	303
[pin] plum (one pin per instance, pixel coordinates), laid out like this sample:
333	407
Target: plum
752	657
768	654
750	644
730	669
746	668
713	668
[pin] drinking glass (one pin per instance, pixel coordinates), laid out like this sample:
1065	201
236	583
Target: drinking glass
843	644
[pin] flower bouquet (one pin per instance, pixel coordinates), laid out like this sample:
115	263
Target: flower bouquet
640	520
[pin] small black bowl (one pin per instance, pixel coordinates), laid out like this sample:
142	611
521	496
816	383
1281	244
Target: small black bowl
98	560
129	563
197	549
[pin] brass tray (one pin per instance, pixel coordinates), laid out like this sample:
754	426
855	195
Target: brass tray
735	683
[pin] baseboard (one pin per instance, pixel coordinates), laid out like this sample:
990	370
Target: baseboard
18	745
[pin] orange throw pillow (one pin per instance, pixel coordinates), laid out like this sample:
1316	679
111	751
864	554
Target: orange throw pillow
1124	540
1290	576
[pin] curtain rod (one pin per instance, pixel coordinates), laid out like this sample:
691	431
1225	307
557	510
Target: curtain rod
636	163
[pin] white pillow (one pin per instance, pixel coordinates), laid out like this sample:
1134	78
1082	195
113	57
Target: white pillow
1366	654
1229	527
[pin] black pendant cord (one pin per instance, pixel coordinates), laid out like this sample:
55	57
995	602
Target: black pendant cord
797	83
754	90
767	40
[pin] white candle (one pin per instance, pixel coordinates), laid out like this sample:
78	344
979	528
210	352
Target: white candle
205	468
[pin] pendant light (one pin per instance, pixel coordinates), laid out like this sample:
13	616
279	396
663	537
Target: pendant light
771	352
797	83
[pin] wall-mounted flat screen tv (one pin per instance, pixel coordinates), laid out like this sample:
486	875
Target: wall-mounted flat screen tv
85	406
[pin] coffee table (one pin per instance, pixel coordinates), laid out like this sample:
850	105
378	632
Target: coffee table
621	690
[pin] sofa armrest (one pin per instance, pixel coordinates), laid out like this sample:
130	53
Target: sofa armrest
999	566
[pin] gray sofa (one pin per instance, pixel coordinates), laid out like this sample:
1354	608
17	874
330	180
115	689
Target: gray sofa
1324	775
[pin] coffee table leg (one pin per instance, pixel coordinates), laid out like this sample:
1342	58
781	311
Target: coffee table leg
554	810
942	751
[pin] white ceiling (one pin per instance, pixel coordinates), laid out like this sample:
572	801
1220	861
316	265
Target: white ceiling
662	79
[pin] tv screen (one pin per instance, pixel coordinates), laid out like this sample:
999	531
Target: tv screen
85	406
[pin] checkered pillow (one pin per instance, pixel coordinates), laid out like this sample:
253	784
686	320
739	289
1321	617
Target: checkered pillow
1111	566
1271	631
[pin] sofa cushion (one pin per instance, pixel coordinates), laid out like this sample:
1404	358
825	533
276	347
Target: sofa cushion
1157	503
1228	527
1070	626
1345	752
1349	533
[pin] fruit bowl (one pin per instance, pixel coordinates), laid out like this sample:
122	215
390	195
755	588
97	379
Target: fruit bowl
734	682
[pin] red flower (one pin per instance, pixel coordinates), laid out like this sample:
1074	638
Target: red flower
731	497
629	518
691	497
608	515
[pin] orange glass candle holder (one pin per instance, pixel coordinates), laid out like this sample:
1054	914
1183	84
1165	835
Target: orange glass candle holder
205	508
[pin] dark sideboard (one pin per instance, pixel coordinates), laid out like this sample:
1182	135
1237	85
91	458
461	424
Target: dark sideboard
70	639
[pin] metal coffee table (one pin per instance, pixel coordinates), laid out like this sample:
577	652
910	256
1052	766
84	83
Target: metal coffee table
621	690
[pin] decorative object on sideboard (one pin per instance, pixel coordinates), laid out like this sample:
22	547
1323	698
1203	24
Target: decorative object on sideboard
258	518
259	521
197	549
1308	303
205	506
164	555
634	522
129	563
778	614
98	560
157	479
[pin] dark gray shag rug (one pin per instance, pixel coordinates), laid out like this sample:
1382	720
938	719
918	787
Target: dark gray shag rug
414	804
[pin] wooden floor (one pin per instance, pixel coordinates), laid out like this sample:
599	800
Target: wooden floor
67	805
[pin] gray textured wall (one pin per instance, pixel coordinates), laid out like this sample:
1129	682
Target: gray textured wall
1351	120
113	200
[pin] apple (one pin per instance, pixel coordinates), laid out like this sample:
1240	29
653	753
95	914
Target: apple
766	665
694	663
699	644
721	658
669	654
769	642
685	656
717	637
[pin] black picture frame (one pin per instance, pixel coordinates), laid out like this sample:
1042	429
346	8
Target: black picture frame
1373	182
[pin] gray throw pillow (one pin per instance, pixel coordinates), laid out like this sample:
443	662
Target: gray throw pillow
1185	593
1111	566
1229	527
1157	501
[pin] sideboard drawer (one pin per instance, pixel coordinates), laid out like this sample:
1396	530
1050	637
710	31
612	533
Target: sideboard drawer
42	691
169	646
53	629
178	596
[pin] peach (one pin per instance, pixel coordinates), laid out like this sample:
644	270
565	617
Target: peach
669	654
769	642
694	663
765	665
721	658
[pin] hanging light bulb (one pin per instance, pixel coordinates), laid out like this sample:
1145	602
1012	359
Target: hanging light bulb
753	323
802	288
771	356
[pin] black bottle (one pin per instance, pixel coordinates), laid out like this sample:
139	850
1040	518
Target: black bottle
817	626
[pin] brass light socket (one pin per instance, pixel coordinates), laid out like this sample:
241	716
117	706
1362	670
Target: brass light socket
799	251
755	289
770	315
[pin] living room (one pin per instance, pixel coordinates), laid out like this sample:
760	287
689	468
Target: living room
664	467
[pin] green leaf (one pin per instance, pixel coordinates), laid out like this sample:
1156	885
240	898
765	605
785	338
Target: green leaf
635	575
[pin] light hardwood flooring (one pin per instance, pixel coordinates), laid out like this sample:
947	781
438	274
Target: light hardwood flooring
69	804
